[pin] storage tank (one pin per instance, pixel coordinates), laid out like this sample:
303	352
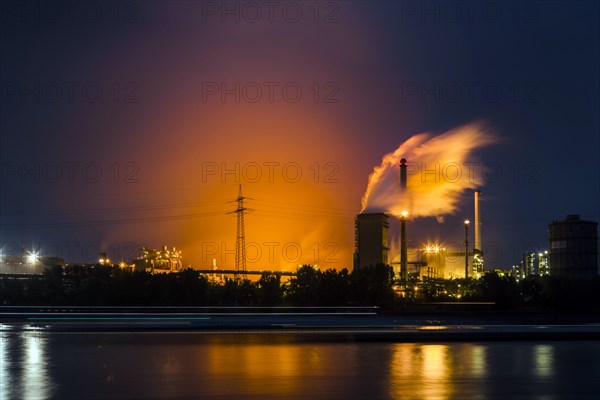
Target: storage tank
573	247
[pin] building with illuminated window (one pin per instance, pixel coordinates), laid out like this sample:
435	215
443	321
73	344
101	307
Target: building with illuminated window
534	263
543	263
529	264
477	264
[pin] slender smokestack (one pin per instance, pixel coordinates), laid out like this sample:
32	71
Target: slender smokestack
477	244
403	250
403	173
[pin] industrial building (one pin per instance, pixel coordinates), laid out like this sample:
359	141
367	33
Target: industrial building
27	263
534	263
159	261
371	239
573	247
433	258
432	261
477	244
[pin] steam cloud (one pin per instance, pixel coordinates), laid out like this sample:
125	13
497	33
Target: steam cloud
439	169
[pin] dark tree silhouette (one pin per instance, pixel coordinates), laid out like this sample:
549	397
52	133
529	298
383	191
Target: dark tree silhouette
269	290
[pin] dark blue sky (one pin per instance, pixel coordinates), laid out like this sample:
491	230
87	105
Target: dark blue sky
528	70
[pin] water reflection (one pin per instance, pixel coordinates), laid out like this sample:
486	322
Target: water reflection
257	366
432	370
478	360
34	379
420	371
5	365
43	365
544	360
24	365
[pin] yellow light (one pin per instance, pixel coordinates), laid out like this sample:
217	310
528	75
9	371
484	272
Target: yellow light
466	222
32	257
434	248
432	328
404	214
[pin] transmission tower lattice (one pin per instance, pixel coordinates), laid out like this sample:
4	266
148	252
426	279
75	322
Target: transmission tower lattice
240	238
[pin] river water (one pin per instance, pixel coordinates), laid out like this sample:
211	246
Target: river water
40	364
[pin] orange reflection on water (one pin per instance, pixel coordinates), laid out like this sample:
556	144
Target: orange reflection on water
430	371
259	366
420	371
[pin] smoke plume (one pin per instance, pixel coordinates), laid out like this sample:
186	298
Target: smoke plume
439	169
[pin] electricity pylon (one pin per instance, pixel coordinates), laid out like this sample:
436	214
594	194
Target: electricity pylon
240	238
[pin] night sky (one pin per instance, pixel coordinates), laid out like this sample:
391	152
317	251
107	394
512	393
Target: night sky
118	120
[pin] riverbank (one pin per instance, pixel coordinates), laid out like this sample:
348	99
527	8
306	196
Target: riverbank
321	324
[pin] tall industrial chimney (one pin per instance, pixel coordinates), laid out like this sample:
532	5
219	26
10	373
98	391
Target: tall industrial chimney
403	251
477	244
403	173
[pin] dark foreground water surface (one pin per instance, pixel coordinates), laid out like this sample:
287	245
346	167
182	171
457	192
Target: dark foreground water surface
51	365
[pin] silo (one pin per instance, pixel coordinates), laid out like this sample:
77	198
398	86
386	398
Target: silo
573	247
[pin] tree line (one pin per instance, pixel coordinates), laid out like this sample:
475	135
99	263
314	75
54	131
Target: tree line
367	286
112	286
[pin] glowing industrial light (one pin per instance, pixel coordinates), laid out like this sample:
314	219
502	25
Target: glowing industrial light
404	214
434	248
467	222
32	257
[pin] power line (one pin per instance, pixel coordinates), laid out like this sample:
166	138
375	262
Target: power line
240	238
